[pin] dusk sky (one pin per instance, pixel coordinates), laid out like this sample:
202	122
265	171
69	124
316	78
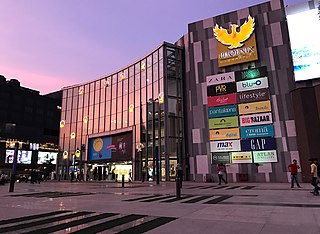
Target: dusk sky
51	44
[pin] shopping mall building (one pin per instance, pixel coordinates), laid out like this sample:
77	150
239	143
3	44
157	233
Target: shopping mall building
238	89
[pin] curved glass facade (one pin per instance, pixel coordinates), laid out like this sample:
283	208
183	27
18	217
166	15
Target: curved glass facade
141	103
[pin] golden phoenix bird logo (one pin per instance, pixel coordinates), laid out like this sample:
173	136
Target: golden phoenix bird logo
235	38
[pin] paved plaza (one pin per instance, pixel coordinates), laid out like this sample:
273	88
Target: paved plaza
100	207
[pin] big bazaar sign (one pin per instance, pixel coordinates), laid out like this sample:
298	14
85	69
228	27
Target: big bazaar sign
236	45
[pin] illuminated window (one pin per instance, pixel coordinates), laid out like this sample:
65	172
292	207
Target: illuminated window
143	66
65	154
131	108
73	135
77	153
62	123
85	119
106	83
161	97
122	76
81	91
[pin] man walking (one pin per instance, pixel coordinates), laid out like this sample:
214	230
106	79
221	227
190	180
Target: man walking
293	168
314	175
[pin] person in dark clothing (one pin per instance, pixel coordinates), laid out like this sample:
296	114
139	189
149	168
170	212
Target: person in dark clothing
221	170
72	176
293	168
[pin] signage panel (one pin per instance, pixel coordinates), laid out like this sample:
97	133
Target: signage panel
251	73
215	112
221	78
225	146
265	156
241	157
257	131
253	96
254	107
224	134
256	119
224	122
253	84
221	89
220	158
222	100
257	144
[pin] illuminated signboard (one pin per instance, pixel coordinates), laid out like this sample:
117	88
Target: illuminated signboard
304	39
224	122
220	78
257	131
23	156
254	107
258	83
241	157
236	45
224	134
265	156
251	73
221	89
222	100
215	112
225	146
257	144
220	158
253	96
47	157
256	119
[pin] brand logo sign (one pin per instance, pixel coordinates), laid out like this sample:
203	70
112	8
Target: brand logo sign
256	119
258	83
236	45
253	96
224	122
254	107
220	78
265	156
258	144
220	158
222	100
224	134
221	89
257	131
215	112
225	146
241	157
251	73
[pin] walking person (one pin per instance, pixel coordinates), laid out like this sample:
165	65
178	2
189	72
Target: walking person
314	175
221	169
293	168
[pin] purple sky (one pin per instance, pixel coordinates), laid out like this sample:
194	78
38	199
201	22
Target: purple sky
50	44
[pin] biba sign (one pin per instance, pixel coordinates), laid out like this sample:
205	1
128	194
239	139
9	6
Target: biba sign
225	146
236	45
265	156
254	107
220	78
258	83
241	157
222	100
257	119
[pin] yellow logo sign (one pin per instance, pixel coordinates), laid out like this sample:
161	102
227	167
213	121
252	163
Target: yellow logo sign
235	38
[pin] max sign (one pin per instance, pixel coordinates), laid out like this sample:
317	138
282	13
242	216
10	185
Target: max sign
258	144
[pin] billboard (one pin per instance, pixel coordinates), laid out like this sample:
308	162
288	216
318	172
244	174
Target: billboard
220	78
251	73
258	144
257	131
253	84
241	157
253	96
111	148
224	122
220	158
254	107
224	134
23	157
46	157
265	156
221	89
225	146
304	39
214	112
256	119
222	100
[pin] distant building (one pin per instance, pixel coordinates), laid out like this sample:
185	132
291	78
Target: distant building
30	119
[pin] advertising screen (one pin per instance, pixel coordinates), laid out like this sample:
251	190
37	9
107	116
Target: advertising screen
23	157
304	38
45	157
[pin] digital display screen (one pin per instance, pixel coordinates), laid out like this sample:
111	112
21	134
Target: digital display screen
304	38
46	157
23	157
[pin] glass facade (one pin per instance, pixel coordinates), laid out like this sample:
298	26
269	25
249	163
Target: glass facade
143	99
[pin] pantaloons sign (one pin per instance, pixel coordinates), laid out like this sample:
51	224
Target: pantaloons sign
236	45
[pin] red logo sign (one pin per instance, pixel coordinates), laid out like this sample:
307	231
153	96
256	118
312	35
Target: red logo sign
222	100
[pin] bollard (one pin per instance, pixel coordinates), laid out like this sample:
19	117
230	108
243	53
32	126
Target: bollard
122	181
178	188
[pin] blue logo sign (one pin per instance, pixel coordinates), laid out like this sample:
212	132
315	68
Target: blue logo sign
220	111
258	144
257	131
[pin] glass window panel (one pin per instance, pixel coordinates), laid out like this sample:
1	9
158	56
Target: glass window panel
114	91
91	99
143	113
97	84
149	92
149	75
149	61
80	104
125	102
90	126
138	137
68	116
70	92
114	79
90	112
119	102
69	103
143	96
131	118
92	84
172	87
96	111
97	96
179	86
108	108
84	129
114	106
74	116
87	88
75	102
161	85
125	119
131	71
137	81
137	68
155	56
131	99
143	78
96	125
102	94
107	123
161	75
137	98
137	115
120	89
108	93
101	124
125	86
80	114
102	109
131	84
113	122
119	120
86	99
161	53
65	93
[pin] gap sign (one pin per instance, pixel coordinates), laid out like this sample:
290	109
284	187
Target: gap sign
258	144
258	131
